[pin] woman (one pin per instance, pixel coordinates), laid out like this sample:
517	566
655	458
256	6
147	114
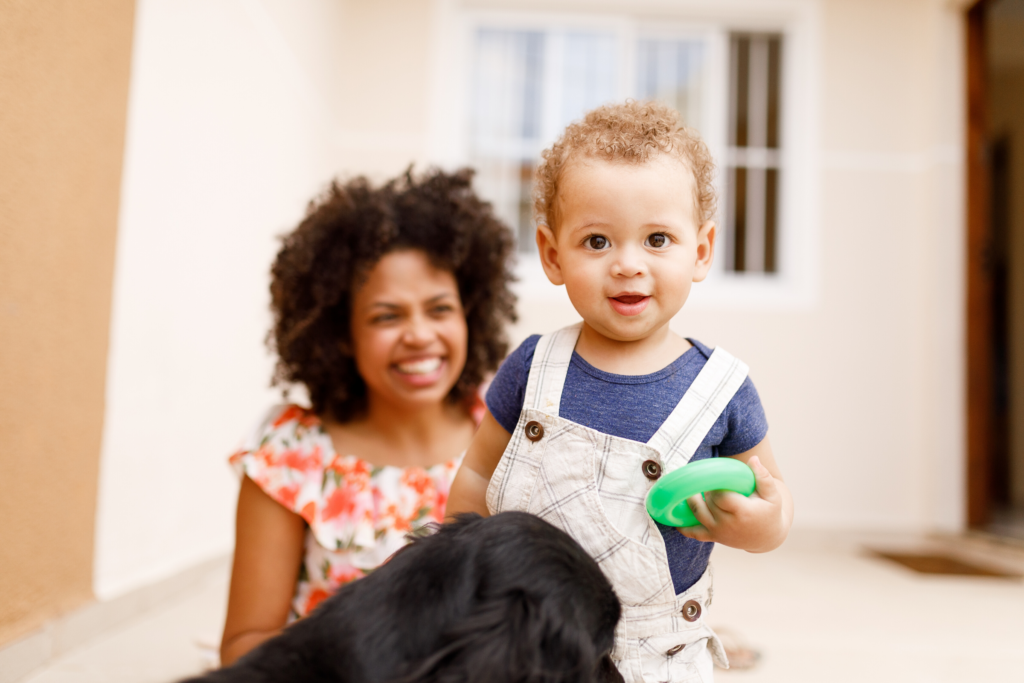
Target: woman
389	308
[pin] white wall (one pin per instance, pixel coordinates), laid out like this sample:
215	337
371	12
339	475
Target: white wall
863	379
241	110
230	133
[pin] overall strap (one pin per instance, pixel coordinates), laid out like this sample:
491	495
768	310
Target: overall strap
549	368
692	418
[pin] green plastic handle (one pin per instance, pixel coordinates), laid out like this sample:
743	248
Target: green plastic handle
666	501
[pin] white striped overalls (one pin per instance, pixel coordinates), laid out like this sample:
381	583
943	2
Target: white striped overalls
593	486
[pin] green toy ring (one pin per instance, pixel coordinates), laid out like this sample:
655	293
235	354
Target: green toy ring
666	501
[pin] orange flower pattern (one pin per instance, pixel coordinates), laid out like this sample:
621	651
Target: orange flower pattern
357	515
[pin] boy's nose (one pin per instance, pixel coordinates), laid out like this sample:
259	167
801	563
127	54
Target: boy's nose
628	264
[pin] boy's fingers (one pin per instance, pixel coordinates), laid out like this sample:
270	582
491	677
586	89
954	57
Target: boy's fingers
700	510
724	500
763	480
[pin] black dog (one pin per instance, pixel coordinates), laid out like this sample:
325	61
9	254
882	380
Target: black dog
507	599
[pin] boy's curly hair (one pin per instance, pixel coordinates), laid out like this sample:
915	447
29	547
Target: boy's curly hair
631	132
345	233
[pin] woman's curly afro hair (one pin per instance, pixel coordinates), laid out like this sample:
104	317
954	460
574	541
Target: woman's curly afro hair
345	233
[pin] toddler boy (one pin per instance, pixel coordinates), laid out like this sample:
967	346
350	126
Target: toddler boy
582	422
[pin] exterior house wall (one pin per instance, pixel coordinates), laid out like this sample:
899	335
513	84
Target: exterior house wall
240	112
863	384
228	138
63	95
230	133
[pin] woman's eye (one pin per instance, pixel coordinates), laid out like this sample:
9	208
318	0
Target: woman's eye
384	318
657	240
441	310
597	242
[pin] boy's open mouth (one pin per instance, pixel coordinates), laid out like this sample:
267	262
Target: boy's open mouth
629	304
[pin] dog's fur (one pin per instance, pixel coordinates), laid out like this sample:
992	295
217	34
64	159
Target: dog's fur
506	599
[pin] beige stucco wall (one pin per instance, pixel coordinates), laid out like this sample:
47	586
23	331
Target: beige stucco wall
231	129
63	92
384	116
864	386
240	111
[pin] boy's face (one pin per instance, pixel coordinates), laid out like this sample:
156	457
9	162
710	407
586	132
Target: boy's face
628	246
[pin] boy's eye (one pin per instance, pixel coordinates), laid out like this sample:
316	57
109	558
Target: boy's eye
657	240
596	242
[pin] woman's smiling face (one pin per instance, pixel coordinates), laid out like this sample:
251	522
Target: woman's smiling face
408	330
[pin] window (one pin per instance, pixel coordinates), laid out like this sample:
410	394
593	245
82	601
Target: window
529	84
747	80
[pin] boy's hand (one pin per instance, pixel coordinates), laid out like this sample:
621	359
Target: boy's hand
756	524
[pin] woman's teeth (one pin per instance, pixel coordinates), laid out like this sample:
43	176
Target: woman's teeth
419	367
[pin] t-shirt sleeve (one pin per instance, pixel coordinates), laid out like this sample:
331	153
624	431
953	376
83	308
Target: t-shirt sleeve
508	388
746	424
283	459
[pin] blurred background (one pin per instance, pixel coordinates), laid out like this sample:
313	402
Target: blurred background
870	266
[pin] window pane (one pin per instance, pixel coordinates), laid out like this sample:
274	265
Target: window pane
512	121
590	69
672	71
752	175
507	121
507	92
774	65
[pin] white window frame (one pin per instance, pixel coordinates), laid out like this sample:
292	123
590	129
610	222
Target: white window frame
795	285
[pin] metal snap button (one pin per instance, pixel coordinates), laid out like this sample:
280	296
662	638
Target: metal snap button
691	610
534	430
675	650
651	469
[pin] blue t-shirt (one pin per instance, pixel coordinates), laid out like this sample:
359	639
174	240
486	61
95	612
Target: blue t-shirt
634	407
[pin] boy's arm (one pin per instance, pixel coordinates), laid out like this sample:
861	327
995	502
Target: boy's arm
756	524
469	490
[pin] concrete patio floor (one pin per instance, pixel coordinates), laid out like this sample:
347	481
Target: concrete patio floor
820	608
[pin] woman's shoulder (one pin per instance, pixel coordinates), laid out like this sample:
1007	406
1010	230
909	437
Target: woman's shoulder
287	423
285	453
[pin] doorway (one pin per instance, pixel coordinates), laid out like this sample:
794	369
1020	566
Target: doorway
995	268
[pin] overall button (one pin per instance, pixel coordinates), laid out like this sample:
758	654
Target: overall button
675	650
651	469
534	430
691	610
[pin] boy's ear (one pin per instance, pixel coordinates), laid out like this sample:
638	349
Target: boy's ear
548	249
705	250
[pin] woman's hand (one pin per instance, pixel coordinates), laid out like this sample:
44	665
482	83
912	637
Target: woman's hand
756	524
268	553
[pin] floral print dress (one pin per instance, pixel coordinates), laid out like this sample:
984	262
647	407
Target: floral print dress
357	515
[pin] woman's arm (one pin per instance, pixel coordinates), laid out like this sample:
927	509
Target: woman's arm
469	490
268	554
